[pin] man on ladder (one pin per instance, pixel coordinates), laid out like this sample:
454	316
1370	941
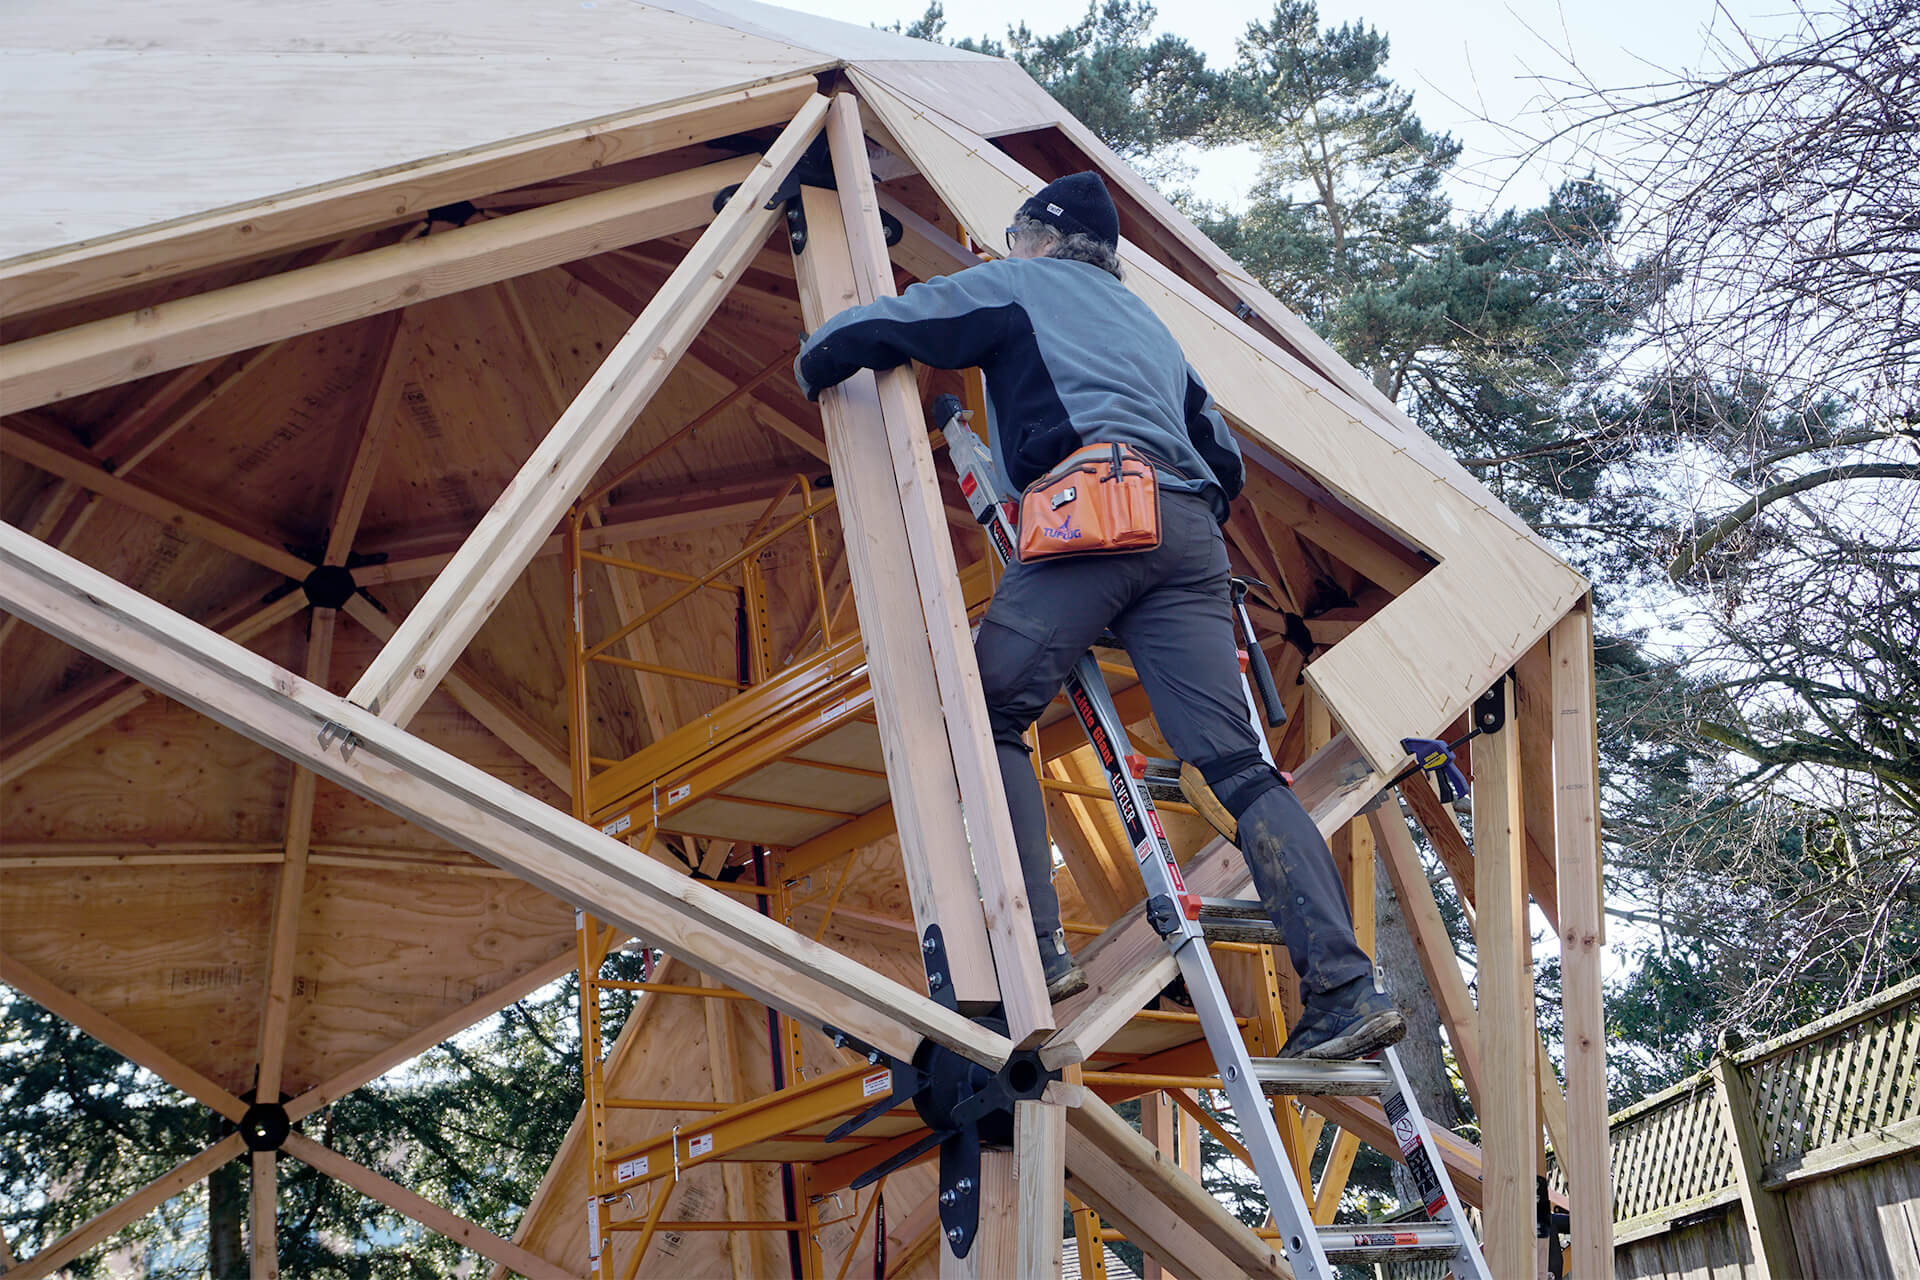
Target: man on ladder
1072	358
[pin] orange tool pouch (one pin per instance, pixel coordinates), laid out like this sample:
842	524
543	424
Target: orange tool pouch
1103	499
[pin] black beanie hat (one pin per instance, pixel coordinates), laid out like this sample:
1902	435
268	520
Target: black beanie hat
1076	203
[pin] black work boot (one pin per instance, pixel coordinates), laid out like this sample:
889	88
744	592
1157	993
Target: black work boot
1064	976
1350	1022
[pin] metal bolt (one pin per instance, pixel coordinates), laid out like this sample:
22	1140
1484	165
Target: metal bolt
935	981
956	1235
928	946
873	1055
839	1040
948	1198
965	1186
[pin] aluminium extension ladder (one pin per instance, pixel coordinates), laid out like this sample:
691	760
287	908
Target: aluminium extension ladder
1185	922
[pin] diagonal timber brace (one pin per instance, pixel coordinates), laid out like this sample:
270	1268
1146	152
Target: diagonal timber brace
469	807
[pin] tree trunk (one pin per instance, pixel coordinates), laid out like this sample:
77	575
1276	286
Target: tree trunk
226	1214
1420	1055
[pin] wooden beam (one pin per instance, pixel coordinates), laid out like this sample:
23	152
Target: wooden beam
130	1045
1333	1176
284	931
469	807
263	1229
136	1206
1444	833
468	590
104	353
495	712
350	498
1451	846
389	195
1533	708
72	717
1159	1207
1129	963
1365	1118
1433	946
1023	987
1345	536
421	1210
1510	1131
1576	813
471	694
922	775
167	511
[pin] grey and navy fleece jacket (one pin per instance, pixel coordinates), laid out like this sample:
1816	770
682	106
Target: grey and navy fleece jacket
1071	357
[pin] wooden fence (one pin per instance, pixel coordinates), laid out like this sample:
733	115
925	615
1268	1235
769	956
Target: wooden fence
1797	1157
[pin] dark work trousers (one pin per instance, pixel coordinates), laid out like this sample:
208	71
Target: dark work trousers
1171	610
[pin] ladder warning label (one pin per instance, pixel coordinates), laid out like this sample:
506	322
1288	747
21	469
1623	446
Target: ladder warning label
700	1146
1406	1134
618	825
676	794
875	1082
635	1168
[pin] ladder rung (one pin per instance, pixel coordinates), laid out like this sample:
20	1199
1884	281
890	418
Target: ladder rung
1389	1241
1313	1076
1237	920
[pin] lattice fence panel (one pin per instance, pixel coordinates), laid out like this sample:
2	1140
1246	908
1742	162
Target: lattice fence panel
1845	1084
1669	1154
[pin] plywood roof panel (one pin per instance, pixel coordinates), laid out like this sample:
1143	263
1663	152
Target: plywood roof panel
175	954
118	116
383	954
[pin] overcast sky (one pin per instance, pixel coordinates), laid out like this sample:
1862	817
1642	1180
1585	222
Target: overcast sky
1463	59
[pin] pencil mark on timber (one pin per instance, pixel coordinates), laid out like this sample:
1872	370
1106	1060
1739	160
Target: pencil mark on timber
452	491
420	410
172	543
301	418
205	977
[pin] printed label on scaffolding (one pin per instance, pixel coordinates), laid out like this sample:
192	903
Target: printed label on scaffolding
1419	1159
876	1082
700	1146
618	825
627	1170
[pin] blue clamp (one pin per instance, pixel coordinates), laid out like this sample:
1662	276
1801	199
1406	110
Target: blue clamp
1436	757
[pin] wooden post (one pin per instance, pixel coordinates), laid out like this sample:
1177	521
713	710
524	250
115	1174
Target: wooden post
1023	988
1509	1126
1040	1147
263	1201
466	592
1768	1228
1159	1125
1576	806
920	769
